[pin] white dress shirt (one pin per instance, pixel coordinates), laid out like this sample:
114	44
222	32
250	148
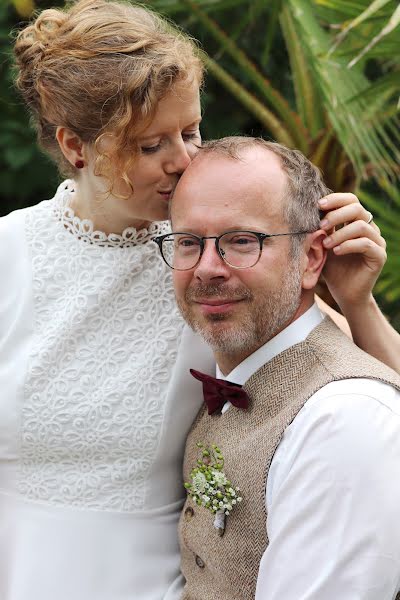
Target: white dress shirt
333	488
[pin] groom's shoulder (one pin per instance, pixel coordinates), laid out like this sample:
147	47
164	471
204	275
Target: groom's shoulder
339	355
353	424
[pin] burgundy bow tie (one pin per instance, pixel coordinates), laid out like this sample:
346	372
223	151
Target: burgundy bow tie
217	391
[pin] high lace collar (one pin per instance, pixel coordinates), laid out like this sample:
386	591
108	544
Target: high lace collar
83	229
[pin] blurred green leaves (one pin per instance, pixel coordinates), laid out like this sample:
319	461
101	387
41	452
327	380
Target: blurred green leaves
386	210
25	174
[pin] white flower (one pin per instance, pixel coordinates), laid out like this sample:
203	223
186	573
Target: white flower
220	478
199	483
205	498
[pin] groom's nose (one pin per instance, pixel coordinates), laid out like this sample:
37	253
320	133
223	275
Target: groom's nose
211	265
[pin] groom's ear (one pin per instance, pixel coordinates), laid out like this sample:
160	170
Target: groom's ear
315	257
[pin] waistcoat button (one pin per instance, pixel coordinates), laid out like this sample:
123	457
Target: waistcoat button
200	562
189	512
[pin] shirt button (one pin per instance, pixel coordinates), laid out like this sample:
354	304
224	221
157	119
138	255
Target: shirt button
200	562
189	512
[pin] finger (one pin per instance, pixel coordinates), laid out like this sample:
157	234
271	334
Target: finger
375	226
345	214
355	230
337	200
363	246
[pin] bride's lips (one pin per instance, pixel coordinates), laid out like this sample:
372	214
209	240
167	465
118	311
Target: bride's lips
165	194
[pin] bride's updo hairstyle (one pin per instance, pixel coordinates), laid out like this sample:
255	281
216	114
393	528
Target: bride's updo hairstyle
100	67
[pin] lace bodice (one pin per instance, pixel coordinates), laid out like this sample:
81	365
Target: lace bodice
83	229
106	333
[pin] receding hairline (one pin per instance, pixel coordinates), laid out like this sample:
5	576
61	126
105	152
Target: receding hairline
189	175
245	155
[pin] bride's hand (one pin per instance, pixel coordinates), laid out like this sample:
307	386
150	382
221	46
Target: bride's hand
356	251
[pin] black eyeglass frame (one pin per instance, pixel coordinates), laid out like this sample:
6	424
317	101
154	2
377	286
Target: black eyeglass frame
260	236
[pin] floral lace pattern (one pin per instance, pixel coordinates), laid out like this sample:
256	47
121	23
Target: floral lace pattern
106	337
83	228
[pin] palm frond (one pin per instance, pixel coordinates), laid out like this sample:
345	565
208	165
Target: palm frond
380	90
271	30
371	10
386	213
308	105
364	141
172	7
265	116
289	119
340	10
394	22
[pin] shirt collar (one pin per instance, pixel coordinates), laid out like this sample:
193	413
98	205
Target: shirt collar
293	334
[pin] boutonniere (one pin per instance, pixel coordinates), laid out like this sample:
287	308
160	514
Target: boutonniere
210	487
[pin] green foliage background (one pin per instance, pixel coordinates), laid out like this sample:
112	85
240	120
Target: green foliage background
272	72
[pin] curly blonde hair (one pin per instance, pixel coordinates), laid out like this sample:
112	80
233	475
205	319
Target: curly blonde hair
100	67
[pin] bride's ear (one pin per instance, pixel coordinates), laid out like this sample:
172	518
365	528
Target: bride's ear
315	257
71	145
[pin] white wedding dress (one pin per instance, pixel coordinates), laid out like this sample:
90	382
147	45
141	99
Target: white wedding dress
95	404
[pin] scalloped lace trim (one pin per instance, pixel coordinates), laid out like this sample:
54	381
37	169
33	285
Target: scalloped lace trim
83	229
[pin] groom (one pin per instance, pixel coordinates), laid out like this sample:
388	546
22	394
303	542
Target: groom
314	444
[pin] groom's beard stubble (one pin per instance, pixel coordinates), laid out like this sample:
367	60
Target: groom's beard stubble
260	318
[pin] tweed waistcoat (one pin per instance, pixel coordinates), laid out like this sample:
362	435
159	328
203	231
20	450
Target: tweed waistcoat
226	568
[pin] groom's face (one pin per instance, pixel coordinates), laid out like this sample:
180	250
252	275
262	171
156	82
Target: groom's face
236	310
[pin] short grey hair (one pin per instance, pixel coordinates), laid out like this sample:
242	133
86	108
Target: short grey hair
305	185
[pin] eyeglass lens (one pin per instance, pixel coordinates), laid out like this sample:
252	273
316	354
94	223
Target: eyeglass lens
239	249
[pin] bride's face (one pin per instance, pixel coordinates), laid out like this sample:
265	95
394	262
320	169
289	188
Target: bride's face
166	148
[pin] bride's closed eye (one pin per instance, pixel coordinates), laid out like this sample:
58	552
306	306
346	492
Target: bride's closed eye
191	135
150	149
186	136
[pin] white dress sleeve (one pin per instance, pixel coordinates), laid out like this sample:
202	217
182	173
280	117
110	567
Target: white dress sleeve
16	331
14	270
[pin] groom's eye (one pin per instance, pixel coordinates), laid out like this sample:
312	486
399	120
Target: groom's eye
186	244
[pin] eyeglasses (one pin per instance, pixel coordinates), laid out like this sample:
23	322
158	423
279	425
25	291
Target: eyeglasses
240	249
